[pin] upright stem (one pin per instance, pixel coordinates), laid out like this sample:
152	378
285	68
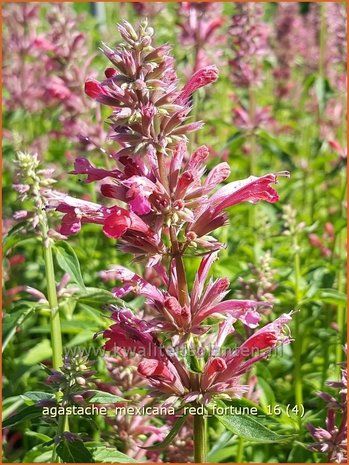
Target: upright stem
341	310
56	330
253	154
200	442
181	275
240	451
56	335
298	341
322	39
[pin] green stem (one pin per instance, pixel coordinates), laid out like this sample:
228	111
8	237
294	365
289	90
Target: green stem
322	44
253	162
56	333
240	451
200	442
63	425
298	340
341	311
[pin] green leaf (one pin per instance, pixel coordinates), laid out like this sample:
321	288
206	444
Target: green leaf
16	236
68	262
332	296
12	321
100	397
235	141
36	396
171	435
95	296
40	436
28	413
74	452
248	427
38	353
323	91
108	455
274	145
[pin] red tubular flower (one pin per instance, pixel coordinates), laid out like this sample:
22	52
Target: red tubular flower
116	224
83	166
201	78
155	369
221	374
252	189
134	334
211	370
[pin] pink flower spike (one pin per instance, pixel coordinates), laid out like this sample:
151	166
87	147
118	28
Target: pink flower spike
201	78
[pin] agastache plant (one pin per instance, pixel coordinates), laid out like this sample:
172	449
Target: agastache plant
169	212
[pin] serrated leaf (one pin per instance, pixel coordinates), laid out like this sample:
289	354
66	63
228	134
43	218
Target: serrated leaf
28	413
171	435
248	427
100	397
108	455
68	262
74	452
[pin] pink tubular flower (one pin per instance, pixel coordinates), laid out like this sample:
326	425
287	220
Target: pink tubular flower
83	166
221	374
132	333
116	221
201	78
204	301
252	189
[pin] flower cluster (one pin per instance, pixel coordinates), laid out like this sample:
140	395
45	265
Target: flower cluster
150	112
290	42
131	429
250	43
332	439
58	54
169	211
199	24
